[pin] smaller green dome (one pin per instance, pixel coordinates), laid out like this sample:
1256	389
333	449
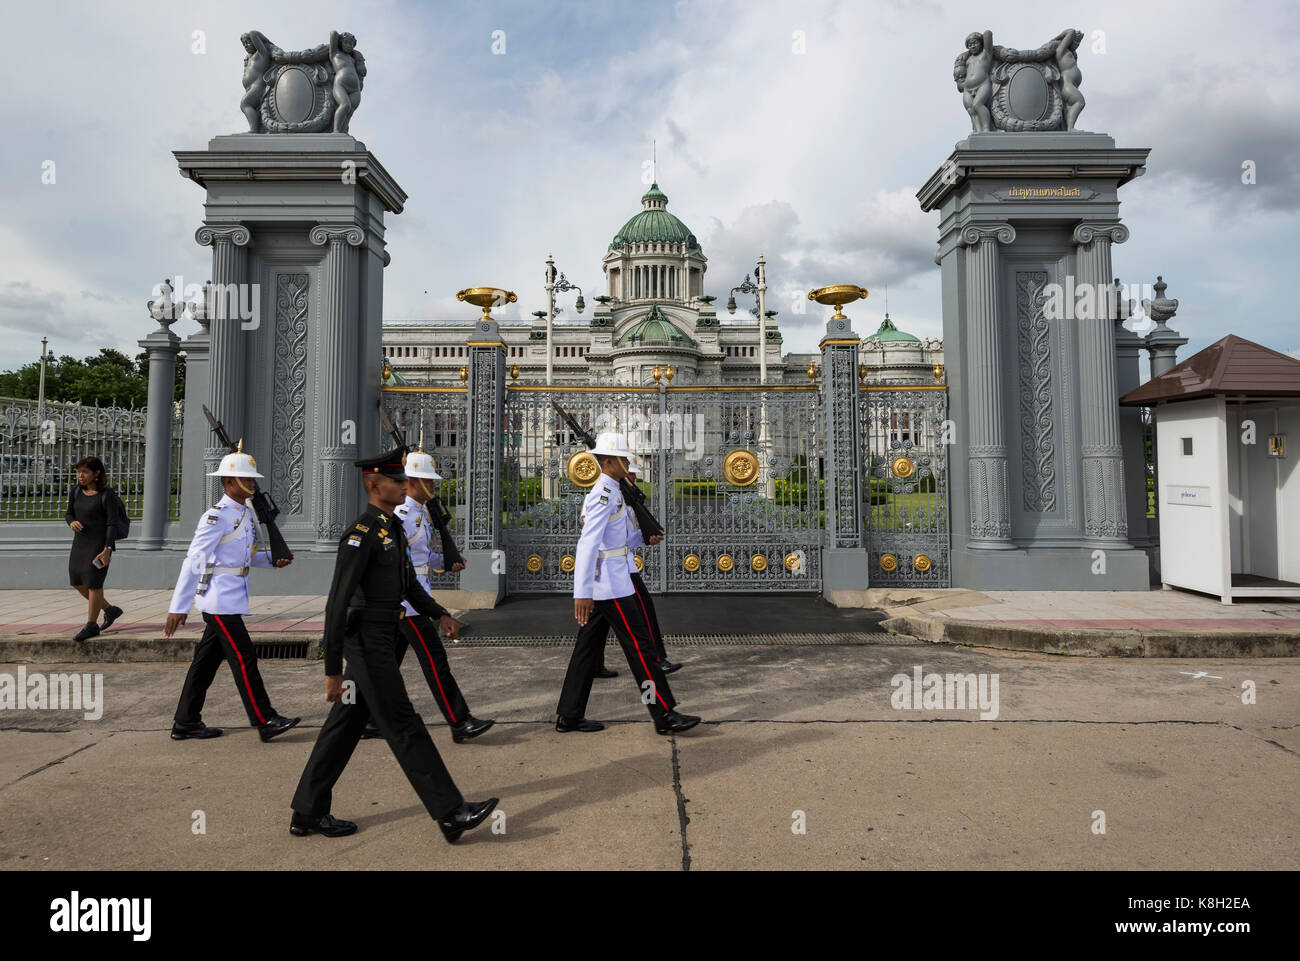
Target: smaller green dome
654	328
890	334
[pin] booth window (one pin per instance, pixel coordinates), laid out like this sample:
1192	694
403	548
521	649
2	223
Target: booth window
1187	447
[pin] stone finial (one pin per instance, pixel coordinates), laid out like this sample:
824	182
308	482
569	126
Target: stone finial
201	309
1162	309
301	91
164	308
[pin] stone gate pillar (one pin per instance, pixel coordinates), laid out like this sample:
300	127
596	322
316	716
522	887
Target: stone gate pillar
162	346
844	561
1105	514
227	365
990	528
337	389
485	567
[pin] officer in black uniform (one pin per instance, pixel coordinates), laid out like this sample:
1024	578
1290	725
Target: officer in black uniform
371	578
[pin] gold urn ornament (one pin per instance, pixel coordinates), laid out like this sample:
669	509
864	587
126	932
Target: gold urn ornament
487	298
837	296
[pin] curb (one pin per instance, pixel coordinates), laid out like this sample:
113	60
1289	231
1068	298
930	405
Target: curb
1092	642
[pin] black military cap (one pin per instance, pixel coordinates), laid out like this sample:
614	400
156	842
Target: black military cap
392	464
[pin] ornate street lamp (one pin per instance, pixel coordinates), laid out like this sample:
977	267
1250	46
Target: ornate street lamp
563	285
759	311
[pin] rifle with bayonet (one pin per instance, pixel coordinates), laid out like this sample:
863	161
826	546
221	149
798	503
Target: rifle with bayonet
263	506
633	494
451	556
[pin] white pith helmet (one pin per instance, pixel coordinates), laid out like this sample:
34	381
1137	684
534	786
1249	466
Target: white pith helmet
237	464
612	445
420	464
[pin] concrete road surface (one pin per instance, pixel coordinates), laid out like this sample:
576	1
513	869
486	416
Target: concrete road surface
808	759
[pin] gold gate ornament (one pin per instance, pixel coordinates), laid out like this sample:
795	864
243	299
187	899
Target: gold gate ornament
691	563
758	563
903	467
922	563
888	563
640	564
740	468
533	564
567	563
726	562
583	469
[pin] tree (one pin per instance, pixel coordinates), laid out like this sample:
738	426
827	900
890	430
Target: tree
109	377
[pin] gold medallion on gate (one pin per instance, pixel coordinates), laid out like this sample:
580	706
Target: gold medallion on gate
533	564
726	562
740	468
758	563
922	563
903	467
583	468
794	561
691	563
888	562
567	563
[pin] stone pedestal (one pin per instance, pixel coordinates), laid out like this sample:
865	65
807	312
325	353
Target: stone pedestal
1038	496
296	224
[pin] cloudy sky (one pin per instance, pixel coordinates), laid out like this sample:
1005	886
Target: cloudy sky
812	158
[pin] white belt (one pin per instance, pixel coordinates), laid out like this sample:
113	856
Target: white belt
613	552
237	571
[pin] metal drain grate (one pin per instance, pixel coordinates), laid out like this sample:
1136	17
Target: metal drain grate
282	650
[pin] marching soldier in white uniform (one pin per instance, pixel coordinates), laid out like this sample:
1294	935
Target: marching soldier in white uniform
214	579
602	583
417	631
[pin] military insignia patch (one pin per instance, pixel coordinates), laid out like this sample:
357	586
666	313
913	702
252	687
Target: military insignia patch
362	528
212	518
354	541
604	498
388	543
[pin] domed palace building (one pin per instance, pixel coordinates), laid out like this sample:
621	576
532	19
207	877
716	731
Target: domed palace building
653	312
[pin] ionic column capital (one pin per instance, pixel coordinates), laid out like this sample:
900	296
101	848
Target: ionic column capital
349	234
209	236
972	234
1086	233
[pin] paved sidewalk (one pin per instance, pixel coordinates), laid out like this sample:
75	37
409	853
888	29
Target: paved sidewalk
1156	622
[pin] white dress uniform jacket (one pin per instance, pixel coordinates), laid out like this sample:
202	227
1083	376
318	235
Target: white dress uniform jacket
419	533
602	569
224	543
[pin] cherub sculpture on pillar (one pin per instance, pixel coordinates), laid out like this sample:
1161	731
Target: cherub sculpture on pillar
301	91
1014	90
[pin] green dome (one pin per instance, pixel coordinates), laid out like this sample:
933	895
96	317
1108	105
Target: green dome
654	224
890	334
654	328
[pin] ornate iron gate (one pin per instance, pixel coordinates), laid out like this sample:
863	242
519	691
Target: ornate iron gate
740	502
905	492
438	415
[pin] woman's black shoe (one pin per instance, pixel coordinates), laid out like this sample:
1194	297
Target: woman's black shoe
110	615
90	630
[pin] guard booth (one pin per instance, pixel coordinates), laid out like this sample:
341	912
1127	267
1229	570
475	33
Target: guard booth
1227	425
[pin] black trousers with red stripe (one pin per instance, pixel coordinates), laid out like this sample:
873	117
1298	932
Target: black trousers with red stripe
377	691
646	609
224	637
421	635
633	630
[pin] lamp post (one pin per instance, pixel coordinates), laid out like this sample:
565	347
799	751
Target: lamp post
40	390
552	285
759	311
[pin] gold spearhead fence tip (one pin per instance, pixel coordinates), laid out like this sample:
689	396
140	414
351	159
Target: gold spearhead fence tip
240	448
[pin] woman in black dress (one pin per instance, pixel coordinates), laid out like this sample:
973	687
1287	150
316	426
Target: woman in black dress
92	513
